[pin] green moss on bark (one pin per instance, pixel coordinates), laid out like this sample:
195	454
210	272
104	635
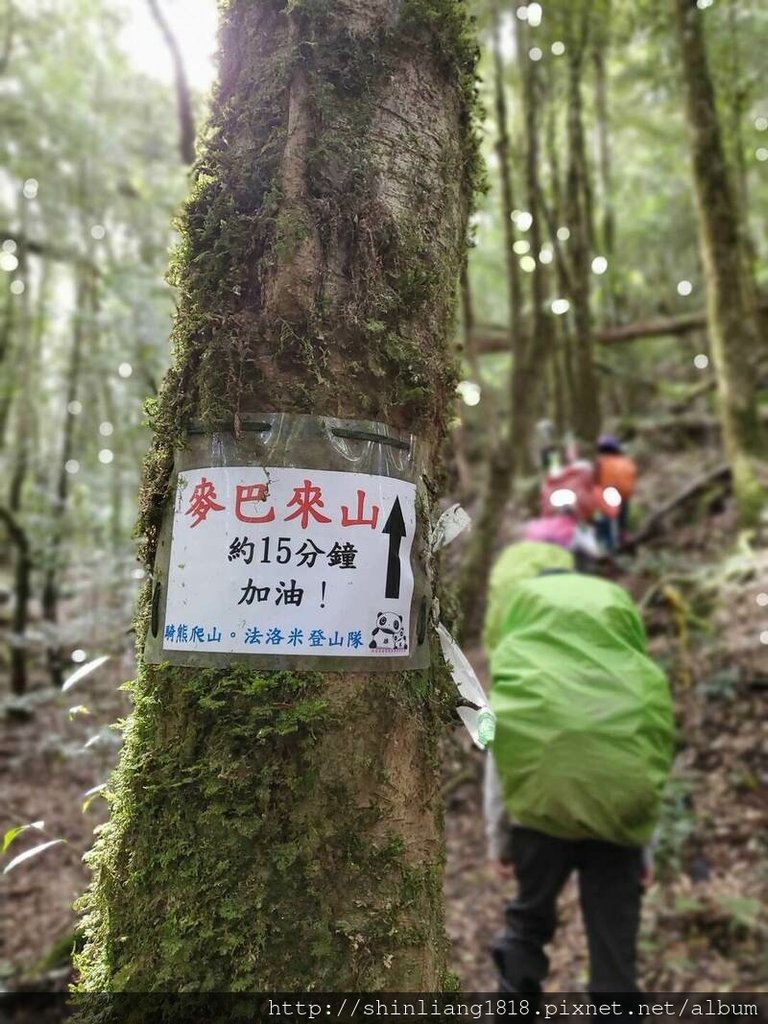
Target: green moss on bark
218	766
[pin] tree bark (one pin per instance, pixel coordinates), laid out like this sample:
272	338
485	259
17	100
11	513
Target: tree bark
282	830
732	317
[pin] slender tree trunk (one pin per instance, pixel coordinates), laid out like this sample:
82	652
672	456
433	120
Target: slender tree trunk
21	326
52	574
183	96
607	233
510	452
512	266
558	383
733	327
531	368
459	433
586	398
564	385
468	340
7	329
738	102
281	830
20	465
6	49
22	574
12	354
116	535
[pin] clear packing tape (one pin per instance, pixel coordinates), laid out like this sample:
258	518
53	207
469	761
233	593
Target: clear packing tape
448	527
271	448
474	711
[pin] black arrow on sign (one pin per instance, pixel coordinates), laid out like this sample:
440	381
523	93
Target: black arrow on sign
395	527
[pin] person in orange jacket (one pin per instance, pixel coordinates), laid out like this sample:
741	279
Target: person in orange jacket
615	479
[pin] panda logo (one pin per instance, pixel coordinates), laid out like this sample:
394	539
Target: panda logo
388	634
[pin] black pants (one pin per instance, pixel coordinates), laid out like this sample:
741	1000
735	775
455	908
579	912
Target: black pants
609	892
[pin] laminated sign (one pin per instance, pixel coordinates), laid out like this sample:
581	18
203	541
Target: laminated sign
294	545
290	561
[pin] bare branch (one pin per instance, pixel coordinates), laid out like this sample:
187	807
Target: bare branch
183	97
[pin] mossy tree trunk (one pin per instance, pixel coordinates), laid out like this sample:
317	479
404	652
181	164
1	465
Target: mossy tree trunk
733	325
578	202
281	831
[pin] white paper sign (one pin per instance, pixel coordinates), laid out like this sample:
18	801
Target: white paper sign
271	560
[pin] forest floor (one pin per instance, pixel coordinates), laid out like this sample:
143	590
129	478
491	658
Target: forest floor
705	916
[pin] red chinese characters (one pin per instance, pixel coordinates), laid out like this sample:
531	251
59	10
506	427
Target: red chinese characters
202	502
252	505
250	494
307	499
360	519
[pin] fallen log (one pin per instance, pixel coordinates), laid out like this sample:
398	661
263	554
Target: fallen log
653	328
490	338
721	474
671	431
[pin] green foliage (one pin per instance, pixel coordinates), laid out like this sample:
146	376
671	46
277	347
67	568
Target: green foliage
14	833
676	827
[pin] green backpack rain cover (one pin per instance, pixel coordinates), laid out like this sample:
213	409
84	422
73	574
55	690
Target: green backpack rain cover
584	730
516	564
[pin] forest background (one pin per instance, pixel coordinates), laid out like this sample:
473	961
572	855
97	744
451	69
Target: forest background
584	301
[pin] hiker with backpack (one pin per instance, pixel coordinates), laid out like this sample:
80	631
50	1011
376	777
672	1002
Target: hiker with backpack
583	746
615	479
597	495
